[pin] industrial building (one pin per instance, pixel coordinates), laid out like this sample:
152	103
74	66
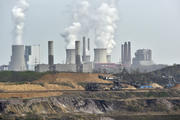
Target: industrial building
32	56
4	68
143	61
107	68
143	57
126	54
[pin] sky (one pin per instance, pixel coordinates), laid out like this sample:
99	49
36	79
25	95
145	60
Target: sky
149	24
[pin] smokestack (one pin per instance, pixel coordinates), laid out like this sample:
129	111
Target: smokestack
17	59
125	52
50	53
70	56
122	53
100	55
88	44
78	57
84	50
109	58
129	53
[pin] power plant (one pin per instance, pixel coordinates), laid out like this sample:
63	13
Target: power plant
79	59
77	62
17	62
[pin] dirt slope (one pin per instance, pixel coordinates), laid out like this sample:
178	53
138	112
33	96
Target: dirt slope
49	82
72	77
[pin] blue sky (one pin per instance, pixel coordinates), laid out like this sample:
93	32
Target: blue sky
153	24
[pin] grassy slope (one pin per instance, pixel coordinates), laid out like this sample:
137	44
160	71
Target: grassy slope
19	77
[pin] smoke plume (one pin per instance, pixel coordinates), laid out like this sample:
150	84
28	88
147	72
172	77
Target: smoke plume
106	27
18	13
73	32
71	35
93	21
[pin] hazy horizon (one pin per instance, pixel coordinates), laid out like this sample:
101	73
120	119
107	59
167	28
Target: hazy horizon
152	24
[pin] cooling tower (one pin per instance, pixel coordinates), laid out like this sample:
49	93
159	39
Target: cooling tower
100	55
17	59
109	58
50	53
78	57
70	56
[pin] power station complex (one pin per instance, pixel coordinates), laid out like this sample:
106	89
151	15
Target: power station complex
79	60
27	58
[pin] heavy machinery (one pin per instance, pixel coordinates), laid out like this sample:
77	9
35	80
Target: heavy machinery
171	81
118	82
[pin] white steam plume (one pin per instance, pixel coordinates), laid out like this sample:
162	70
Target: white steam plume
18	13
79	25
71	35
106	27
92	20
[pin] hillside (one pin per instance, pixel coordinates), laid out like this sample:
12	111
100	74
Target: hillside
61	96
152	77
43	82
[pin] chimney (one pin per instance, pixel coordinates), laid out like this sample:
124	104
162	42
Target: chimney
78	57
122	53
88	44
125	52
84	50
129	53
50	55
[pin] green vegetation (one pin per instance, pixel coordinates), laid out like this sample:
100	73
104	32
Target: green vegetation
19	77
